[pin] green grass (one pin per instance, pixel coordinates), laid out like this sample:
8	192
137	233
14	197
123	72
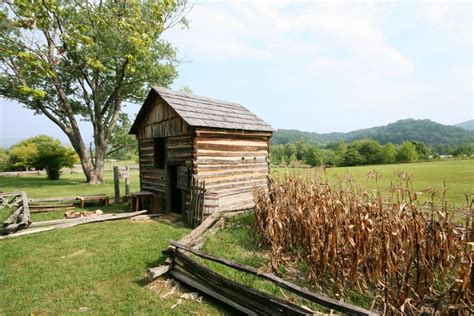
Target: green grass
68	185
458	175
241	246
99	267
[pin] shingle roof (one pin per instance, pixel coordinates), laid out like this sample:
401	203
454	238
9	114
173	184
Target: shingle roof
206	112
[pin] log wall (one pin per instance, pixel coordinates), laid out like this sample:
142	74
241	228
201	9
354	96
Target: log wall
162	121
232	163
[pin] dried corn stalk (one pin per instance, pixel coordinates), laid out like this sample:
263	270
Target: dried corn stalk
405	257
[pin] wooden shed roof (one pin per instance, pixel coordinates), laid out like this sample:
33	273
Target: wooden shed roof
201	111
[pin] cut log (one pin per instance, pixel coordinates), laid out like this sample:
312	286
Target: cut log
316	298
154	273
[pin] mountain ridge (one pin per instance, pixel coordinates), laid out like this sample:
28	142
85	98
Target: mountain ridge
467	125
422	130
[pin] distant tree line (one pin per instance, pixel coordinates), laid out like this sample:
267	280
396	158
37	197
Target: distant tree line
359	152
443	138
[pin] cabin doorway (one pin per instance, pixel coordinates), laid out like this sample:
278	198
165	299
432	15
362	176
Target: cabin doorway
175	194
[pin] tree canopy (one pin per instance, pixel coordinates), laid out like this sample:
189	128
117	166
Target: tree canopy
74	60
41	152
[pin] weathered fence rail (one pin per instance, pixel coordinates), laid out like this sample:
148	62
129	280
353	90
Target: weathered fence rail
20	213
313	297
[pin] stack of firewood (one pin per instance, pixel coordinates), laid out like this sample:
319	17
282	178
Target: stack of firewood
20	215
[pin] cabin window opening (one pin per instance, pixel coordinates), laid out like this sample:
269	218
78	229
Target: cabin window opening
159	150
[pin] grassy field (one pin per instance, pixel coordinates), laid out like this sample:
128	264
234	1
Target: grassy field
99	268
96	268
68	185
457	174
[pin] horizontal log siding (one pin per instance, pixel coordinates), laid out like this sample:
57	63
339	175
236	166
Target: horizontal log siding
151	179
179	148
233	164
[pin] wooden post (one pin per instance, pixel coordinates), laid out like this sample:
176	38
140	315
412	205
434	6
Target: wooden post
127	181
117	184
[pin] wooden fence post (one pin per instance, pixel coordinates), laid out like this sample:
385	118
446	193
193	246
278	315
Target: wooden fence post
127	181
117	184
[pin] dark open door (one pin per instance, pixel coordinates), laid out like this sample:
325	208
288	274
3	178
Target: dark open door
175	194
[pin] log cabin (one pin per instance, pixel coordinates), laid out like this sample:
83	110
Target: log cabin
185	139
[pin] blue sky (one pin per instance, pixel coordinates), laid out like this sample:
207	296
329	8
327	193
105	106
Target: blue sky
318	66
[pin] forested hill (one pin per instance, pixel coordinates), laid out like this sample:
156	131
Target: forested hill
468	125
425	131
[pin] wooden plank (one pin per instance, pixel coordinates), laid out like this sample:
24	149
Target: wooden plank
258	301
44	226
196	284
26	210
316	298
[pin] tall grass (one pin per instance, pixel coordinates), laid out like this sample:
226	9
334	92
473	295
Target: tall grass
407	256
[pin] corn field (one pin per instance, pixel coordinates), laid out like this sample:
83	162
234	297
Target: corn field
406	256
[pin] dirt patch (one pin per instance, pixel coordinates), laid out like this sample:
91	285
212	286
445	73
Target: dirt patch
80	253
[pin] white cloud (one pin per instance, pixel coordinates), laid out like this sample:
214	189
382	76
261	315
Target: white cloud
348	41
270	32
451	17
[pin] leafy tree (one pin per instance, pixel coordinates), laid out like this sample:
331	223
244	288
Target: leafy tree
42	152
292	159
407	152
313	157
3	159
22	156
423	150
370	150
329	157
463	150
277	152
352	157
122	145
52	157
81	60
340	151
290	150
389	153
186	89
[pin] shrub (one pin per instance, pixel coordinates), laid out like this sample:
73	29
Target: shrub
41	152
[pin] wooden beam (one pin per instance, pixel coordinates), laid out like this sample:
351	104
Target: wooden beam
316	298
255	300
196	284
38	227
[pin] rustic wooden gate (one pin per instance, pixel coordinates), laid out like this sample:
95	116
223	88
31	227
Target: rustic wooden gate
196	204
